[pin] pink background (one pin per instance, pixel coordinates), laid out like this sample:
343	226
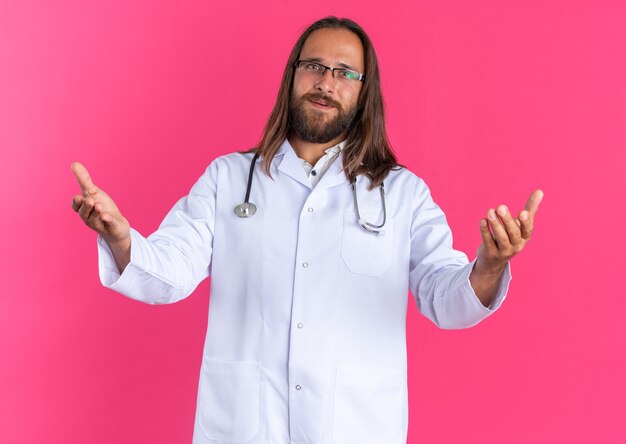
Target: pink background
486	101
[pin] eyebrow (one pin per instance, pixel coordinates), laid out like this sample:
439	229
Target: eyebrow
339	65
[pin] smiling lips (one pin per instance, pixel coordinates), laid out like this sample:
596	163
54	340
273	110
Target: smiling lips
321	103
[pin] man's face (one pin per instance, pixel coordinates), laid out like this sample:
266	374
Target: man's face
321	107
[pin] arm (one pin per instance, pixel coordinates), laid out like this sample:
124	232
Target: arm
439	275
169	264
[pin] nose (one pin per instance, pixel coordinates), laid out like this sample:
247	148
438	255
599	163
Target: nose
326	83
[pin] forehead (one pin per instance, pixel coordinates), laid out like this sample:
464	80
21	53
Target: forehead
334	47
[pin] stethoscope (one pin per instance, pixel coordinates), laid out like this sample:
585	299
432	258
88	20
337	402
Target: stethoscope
248	209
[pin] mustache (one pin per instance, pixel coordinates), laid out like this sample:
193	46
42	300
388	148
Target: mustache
321	96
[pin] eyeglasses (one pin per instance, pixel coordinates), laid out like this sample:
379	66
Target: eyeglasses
318	70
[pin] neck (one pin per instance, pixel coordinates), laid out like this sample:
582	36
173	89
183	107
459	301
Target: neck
311	152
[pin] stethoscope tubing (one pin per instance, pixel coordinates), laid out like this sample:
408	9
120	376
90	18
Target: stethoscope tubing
248	209
365	224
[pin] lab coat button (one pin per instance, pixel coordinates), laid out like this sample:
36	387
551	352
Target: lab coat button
300	325
310	210
305	264
298	387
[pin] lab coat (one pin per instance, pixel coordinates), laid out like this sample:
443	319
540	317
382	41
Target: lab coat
306	339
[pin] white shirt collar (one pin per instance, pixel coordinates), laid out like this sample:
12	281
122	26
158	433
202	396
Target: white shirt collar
315	172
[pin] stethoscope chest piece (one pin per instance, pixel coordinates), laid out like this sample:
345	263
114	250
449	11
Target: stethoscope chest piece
246	209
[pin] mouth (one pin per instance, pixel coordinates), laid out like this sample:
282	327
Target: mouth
321	104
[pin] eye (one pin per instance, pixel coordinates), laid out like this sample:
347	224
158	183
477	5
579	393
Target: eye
347	74
311	66
343	73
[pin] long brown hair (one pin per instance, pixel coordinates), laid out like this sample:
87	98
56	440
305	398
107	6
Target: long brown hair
367	149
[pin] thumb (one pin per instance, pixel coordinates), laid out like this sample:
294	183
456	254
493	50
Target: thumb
533	201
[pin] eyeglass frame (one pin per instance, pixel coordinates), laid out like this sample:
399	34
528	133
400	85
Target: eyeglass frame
361	77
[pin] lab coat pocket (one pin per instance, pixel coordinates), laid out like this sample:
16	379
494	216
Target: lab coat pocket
368	406
365	252
228	401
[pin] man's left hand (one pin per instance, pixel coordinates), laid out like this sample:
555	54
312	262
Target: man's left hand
505	236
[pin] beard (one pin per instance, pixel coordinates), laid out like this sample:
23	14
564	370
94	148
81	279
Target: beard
314	126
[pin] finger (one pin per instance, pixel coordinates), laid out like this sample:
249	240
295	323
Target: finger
95	218
98	211
488	241
526	224
512	230
499	233
105	219
86	209
84	180
533	202
108	220
77	201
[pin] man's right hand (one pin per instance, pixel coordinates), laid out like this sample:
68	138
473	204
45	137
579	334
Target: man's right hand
100	213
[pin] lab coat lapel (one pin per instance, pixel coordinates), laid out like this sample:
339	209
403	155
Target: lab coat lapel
291	165
334	175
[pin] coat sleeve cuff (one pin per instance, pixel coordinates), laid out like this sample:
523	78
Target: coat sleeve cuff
110	275
107	269
500	296
136	282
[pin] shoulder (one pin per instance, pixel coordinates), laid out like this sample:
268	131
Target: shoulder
226	168
232	160
228	164
407	190
405	180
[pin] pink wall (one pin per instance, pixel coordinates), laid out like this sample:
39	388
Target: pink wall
486	100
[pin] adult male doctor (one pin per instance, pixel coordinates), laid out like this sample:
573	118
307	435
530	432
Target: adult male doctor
306	337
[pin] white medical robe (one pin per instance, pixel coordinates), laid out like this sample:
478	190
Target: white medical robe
306	340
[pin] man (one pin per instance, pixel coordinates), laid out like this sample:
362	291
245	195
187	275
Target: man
312	251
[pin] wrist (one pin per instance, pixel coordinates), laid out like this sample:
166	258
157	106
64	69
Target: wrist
118	245
489	268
